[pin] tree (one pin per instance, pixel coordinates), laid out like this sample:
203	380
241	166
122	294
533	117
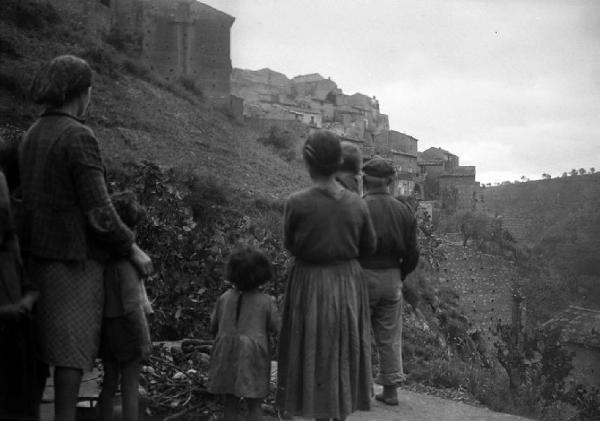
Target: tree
546	176
592	170
582	171
564	175
523	178
573	172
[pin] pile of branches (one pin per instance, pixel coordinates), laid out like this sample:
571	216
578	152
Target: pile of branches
176	378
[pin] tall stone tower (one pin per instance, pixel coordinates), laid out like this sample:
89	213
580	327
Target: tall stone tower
181	38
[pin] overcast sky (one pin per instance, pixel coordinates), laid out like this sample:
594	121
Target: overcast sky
512	87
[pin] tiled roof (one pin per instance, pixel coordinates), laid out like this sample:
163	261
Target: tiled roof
577	325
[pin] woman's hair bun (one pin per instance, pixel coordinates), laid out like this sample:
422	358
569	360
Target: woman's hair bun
323	152
60	80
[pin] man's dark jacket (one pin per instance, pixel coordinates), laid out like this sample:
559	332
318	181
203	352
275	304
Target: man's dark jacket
396	230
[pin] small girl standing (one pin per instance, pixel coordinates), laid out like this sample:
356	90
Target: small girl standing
125	338
240	364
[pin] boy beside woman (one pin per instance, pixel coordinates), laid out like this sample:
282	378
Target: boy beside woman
69	232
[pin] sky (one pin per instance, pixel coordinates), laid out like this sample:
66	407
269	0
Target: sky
512	86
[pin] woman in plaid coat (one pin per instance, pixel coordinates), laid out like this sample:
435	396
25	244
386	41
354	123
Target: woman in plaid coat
67	225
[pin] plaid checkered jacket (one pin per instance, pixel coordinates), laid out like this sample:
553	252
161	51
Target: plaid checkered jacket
65	212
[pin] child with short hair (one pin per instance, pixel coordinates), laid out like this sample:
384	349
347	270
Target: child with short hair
125	338
348	175
240	364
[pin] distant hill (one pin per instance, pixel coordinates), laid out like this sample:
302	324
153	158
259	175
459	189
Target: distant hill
560	220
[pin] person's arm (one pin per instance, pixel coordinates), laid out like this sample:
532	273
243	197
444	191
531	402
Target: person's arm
274	322
289	225
129	286
368	238
214	319
410	261
11	312
87	171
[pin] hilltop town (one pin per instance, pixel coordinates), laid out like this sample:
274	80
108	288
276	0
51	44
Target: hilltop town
320	103
185	40
179	125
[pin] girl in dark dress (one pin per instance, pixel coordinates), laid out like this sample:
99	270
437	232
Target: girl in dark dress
240	364
324	350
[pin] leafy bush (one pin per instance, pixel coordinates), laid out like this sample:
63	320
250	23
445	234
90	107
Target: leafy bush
29	14
124	41
282	141
191	85
189	231
14	82
7	47
102	60
136	69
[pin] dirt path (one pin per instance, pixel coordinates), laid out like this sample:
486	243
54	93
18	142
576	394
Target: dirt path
413	407
419	407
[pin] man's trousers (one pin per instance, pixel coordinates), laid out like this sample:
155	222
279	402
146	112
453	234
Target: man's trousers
385	299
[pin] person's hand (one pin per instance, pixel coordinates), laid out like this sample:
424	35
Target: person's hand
28	301
11	312
141	260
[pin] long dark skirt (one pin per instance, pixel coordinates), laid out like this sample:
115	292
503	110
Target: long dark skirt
325	346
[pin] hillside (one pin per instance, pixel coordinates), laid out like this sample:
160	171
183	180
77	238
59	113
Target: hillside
209	182
559	220
134	116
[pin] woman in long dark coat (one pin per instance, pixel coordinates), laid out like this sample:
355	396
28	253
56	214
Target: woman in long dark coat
324	347
67	225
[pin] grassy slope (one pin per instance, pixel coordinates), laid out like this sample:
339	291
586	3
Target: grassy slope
138	119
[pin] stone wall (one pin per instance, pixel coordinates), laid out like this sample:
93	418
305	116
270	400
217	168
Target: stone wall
484	283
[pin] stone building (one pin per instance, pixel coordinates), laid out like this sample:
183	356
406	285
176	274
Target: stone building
180	38
459	185
313	86
254	86
579	330
176	38
402	150
446	180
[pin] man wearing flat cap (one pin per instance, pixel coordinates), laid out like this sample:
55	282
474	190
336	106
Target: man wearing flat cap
396	256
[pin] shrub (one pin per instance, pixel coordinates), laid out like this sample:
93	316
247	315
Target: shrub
28	14
102	61
191	85
7	47
282	141
124	42
14	81
189	231
136	69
